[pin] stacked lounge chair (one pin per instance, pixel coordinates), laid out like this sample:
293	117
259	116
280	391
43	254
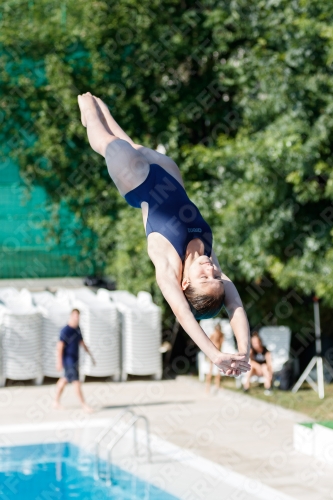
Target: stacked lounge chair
122	331
140	332
277	341
21	333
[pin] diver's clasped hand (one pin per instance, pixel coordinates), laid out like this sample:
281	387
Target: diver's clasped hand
233	365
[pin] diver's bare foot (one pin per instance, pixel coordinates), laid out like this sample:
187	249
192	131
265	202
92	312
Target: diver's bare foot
87	106
57	406
87	409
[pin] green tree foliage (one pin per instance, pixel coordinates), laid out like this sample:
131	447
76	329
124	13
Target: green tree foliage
272	189
238	92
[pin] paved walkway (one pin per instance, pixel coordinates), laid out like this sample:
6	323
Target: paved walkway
238	432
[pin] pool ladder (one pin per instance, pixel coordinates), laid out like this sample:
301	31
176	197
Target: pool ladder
126	425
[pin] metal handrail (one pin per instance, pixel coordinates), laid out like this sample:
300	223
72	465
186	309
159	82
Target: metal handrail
106	432
113	443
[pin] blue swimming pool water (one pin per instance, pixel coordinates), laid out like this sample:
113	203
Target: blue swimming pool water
63	471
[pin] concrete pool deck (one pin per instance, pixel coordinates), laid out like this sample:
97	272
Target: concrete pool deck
241	434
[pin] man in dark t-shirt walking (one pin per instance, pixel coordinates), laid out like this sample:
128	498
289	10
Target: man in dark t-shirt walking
68	358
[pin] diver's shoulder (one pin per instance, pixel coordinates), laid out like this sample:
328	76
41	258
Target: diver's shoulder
163	255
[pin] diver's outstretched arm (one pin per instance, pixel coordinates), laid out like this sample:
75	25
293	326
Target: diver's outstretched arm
237	316
235	310
230	364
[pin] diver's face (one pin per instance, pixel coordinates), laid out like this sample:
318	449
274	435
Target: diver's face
204	275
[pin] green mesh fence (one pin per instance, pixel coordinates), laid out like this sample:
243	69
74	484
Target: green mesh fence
28	249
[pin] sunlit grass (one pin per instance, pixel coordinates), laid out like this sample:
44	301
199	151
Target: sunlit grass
306	400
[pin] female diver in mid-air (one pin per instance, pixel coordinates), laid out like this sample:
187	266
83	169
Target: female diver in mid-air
179	240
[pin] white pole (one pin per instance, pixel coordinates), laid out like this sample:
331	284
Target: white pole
320	377
317	326
320	369
316	361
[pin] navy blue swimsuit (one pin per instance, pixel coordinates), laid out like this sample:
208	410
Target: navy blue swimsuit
171	212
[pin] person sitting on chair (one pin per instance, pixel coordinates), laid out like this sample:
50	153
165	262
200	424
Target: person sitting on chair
261	364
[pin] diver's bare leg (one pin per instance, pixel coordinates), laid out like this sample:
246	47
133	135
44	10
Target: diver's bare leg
151	155
112	124
99	134
127	167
